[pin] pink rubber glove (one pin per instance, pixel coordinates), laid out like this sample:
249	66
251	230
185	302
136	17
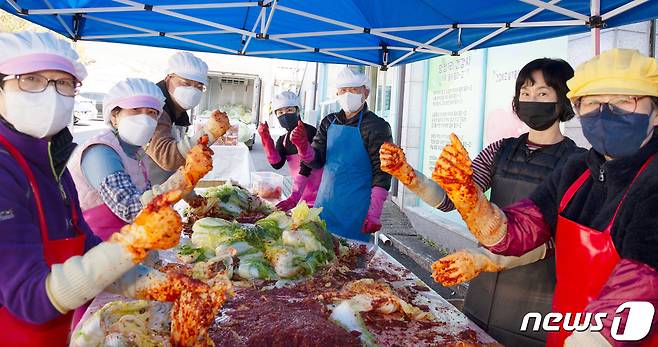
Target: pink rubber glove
300	139
271	153
298	186
377	197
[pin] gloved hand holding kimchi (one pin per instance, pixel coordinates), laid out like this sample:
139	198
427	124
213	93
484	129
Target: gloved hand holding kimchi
157	226
198	162
465	265
80	278
454	174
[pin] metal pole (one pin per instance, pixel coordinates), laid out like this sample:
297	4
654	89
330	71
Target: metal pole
399	109
595	9
652	38
315	87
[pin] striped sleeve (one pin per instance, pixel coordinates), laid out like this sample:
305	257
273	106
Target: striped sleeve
483	170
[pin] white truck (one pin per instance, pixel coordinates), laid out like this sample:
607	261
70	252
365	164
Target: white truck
237	94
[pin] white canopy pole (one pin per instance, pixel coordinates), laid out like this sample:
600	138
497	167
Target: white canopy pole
61	21
623	8
595	9
269	18
506	27
83	10
253	30
556	9
163	11
431	41
317	33
148	31
13	4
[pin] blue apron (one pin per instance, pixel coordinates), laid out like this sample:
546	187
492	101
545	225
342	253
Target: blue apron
344	193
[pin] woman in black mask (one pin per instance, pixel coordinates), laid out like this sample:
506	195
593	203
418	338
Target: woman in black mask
306	181
512	168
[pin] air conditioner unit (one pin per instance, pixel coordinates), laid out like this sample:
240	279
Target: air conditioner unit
233	81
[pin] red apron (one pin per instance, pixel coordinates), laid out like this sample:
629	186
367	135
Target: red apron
579	247
14	331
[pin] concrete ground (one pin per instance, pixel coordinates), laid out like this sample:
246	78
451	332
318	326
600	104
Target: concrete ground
415	251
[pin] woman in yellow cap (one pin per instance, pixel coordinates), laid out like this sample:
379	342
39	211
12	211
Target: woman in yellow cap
600	206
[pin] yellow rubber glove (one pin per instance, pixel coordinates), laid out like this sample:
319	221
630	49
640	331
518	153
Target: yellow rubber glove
454	174
80	278
157	226
394	162
198	162
465	265
217	125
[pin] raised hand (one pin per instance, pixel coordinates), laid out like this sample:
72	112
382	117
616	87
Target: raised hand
264	131
454	174
298	136
198	163
218	124
394	162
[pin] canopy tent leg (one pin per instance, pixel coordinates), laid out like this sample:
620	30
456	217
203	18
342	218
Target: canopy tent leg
595	10
596	40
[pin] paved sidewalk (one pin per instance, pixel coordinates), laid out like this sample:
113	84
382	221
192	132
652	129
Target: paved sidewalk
398	229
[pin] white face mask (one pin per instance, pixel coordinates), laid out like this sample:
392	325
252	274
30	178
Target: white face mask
136	130
350	102
38	114
187	97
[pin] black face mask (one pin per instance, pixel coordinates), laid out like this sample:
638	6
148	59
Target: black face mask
537	115
288	120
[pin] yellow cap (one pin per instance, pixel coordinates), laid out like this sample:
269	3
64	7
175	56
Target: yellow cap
617	71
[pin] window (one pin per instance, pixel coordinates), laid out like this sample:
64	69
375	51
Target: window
383	101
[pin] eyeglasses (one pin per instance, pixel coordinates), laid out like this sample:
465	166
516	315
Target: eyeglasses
620	106
184	82
33	83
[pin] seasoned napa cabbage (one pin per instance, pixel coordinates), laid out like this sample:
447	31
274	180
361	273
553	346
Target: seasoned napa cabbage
275	221
209	233
303	214
256	267
302	238
285	260
132	323
348	316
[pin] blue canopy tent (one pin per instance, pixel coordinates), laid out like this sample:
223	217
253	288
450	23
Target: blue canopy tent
380	33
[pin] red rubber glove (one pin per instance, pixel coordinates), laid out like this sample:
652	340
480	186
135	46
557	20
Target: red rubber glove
377	198
299	138
271	153
370	227
298	186
264	131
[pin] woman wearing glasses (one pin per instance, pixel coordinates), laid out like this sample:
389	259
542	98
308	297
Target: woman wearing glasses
50	261
600	206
